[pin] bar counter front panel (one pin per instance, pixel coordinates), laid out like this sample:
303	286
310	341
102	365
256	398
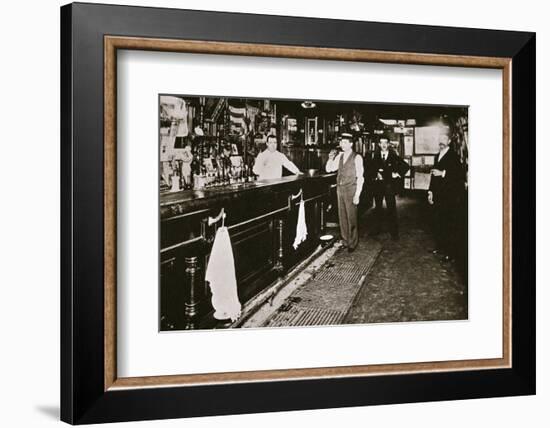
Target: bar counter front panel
261	217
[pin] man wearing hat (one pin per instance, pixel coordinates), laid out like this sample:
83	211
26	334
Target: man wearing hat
385	171
446	187
349	184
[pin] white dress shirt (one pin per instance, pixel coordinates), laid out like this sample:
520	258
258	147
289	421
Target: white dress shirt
269	165
332	166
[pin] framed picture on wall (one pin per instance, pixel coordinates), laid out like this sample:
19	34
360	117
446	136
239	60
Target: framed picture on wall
408	143
120	363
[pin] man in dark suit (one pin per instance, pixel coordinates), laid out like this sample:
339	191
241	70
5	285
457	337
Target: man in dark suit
446	188
385	171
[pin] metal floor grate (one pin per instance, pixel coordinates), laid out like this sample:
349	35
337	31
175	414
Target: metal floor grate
342	272
327	297
300	316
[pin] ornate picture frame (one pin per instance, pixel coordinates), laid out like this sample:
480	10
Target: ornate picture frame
91	391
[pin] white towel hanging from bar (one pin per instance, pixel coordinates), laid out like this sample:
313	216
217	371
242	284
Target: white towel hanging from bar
301	226
220	274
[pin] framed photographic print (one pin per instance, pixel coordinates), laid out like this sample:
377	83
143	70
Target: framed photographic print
311	273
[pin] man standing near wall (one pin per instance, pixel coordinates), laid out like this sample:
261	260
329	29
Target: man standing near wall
446	187
349	183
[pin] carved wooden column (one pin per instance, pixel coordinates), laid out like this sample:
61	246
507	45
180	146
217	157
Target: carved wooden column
193	291
316	219
169	314
322	219
279	251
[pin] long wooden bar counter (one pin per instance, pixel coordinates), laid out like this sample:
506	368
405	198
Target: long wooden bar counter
261	218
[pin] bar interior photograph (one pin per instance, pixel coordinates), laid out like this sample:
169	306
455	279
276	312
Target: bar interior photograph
250	215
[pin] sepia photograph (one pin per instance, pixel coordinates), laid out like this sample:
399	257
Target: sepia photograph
299	213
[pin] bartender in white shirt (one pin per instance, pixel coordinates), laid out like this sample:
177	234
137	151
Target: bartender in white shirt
349	184
269	163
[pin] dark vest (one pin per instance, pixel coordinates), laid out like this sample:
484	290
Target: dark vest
347	175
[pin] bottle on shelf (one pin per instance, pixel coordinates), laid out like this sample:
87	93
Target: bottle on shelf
219	178
225	174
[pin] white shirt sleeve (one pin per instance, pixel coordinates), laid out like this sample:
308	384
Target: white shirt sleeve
359	171
258	164
289	165
332	165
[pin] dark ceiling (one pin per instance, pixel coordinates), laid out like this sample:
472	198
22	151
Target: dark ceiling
370	112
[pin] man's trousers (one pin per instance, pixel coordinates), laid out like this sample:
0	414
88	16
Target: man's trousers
347	213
